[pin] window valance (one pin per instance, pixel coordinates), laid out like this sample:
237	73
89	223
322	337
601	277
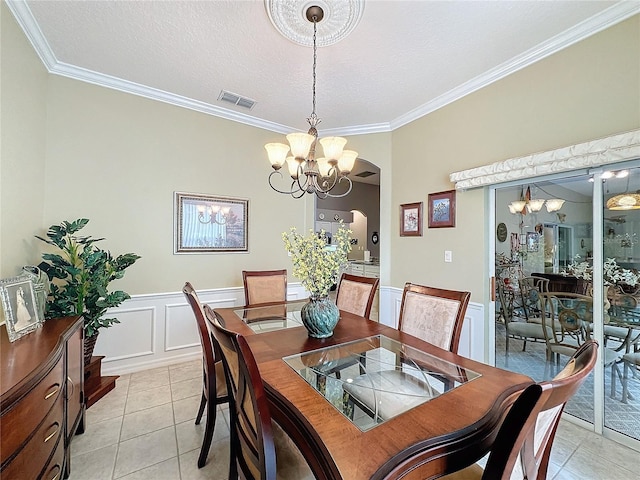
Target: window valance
616	148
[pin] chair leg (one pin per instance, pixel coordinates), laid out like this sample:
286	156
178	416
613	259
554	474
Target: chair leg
203	402
208	433
614	370
524	345
625	380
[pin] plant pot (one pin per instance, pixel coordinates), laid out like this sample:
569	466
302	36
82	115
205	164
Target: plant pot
89	345
320	316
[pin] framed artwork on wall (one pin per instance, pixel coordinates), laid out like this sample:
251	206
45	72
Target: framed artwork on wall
411	220
210	224
442	209
20	307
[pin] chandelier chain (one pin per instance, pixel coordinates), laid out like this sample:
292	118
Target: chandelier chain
315	56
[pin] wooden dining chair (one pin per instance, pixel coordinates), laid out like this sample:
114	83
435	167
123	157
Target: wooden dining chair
523	443
433	314
214	386
355	294
260	449
264	286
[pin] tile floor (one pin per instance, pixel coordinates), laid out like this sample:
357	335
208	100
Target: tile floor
144	429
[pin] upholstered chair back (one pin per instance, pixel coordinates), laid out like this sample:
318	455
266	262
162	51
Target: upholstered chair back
355	294
435	315
264	286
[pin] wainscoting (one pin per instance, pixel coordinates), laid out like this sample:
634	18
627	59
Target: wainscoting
157	330
472	338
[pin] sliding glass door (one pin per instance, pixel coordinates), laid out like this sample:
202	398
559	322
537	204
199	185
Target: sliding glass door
559	251
621	299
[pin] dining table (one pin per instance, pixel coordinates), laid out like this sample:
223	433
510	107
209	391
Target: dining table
441	415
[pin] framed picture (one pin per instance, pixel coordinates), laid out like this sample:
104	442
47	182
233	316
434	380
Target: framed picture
19	306
411	220
210	224
442	209
533	240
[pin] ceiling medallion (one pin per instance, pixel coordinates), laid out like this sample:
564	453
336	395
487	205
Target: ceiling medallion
289	18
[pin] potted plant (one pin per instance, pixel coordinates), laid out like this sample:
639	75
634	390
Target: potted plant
318	267
80	275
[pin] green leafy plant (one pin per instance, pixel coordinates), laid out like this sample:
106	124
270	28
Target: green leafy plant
80	276
315	263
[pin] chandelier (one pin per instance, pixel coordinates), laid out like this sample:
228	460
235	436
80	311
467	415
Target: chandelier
534	205
308	173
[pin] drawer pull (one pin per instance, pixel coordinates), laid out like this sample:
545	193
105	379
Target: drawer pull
57	475
56	427
54	389
73	387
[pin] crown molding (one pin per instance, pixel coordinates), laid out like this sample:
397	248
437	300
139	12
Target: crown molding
609	17
30	27
356	130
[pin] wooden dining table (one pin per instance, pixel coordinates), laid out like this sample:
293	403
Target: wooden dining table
441	435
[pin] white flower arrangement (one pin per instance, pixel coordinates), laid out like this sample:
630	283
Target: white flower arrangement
613	274
315	263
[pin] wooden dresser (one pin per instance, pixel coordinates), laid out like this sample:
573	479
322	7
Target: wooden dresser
42	399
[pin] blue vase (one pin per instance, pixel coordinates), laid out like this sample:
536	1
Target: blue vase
320	316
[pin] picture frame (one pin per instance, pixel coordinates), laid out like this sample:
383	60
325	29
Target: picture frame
206	223
411	219
442	209
19	306
533	241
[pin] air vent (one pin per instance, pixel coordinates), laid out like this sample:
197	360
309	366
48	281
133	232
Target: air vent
236	99
364	174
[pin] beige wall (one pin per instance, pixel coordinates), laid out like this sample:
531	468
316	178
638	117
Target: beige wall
587	91
115	158
22	147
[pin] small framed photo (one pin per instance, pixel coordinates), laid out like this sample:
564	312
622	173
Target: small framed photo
533	240
411	220
442	209
19	306
210	224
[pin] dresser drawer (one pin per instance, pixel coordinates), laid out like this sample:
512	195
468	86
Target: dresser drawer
54	469
46	441
23	417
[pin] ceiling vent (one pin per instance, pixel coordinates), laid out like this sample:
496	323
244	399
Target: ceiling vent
236	99
365	174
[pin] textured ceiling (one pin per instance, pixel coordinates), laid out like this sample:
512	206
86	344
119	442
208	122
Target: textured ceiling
403	59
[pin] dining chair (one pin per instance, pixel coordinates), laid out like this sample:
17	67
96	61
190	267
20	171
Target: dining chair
432	314
523	444
214	386
264	286
355	294
260	449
